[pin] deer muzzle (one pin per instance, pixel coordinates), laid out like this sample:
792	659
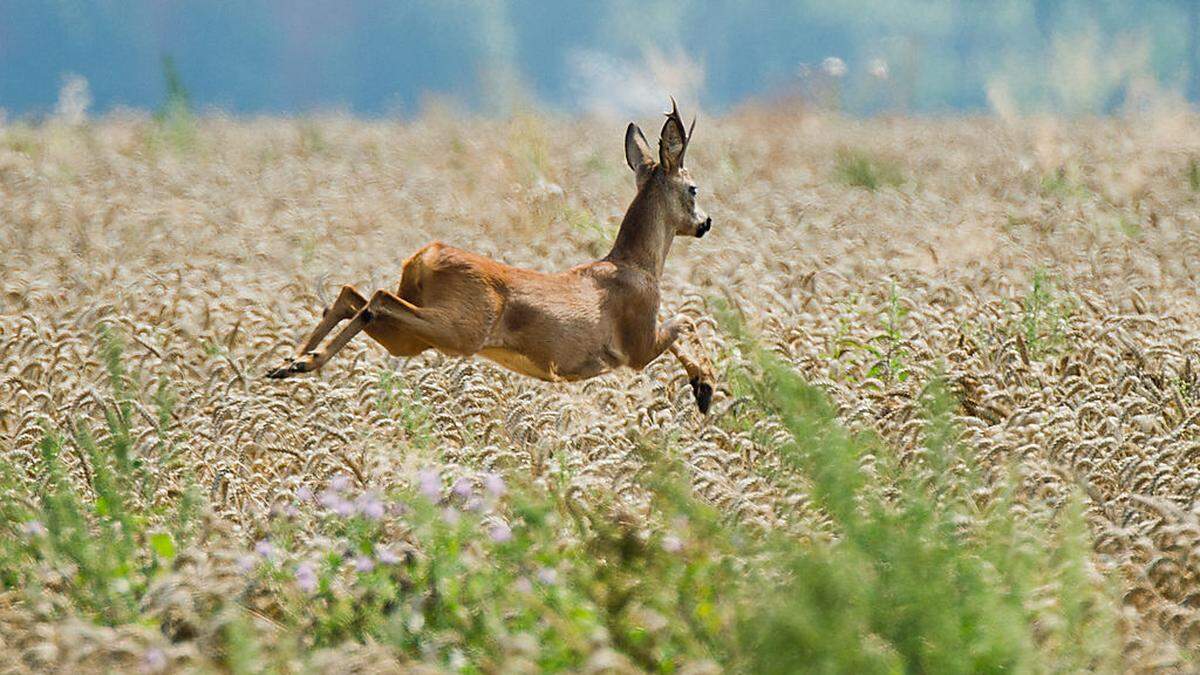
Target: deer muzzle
704	227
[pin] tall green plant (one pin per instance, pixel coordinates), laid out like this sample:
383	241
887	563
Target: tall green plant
175	123
921	577
99	531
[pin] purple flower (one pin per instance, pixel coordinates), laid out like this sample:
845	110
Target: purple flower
154	661
369	505
339	482
344	508
500	533
306	577
672	544
264	549
451	516
246	563
462	487
430	484
304	494
363	564
547	576
336	503
494	484
33	528
329	499
387	556
523	585
474	504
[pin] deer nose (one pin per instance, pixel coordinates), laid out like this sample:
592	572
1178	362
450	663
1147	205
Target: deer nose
704	227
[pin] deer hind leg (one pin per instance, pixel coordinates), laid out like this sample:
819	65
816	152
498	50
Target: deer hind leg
393	337
461	331
401	327
349	302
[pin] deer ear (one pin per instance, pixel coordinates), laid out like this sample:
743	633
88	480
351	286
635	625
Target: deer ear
637	150
673	141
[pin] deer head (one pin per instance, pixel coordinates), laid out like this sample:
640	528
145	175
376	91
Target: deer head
665	182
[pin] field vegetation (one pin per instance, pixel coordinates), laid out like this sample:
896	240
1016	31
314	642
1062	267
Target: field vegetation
956	427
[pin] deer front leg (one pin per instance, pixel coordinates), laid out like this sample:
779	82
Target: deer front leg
699	371
698	368
700	377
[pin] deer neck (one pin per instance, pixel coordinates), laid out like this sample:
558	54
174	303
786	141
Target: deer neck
644	239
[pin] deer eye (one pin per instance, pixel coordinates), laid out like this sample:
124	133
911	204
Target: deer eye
692	190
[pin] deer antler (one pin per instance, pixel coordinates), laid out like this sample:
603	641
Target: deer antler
675	120
687	140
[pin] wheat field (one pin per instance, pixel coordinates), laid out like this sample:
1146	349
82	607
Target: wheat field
153	271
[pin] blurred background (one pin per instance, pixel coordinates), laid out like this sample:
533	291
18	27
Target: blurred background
374	58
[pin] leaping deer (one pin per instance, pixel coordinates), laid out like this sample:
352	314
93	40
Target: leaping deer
569	326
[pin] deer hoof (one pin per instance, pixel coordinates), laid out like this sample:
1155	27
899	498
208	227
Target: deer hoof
289	368
280	372
286	370
703	392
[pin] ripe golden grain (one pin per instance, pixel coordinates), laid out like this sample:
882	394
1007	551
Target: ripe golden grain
212	265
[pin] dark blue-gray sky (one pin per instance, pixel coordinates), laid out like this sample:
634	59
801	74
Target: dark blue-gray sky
376	58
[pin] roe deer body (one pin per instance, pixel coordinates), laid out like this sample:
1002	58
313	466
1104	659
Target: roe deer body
571	325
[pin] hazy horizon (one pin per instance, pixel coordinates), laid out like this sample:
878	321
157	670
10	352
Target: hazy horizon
372	58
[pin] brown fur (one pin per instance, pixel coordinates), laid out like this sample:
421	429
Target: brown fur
570	325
